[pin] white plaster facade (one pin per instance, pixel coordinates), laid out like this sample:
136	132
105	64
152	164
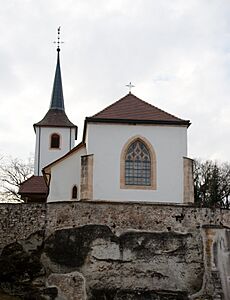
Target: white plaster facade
65	174
44	154
106	141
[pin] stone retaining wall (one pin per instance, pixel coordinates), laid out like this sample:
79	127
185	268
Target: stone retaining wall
125	216
19	221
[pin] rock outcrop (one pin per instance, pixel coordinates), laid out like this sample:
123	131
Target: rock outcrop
93	251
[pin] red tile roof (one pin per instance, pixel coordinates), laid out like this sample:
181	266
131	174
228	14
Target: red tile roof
33	185
57	118
132	109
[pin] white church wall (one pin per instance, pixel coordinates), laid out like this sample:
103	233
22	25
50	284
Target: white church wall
44	155
106	141
64	175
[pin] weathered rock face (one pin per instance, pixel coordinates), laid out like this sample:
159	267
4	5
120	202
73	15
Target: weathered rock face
137	295
221	260
136	264
4	296
22	272
133	261
111	251
70	286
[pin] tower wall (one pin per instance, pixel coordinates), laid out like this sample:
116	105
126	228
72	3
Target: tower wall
44	154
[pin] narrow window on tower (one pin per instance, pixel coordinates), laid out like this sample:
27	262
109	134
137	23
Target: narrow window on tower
55	141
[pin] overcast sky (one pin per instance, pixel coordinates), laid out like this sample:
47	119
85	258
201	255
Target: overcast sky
175	52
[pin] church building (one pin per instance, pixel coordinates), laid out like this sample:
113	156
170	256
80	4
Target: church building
130	151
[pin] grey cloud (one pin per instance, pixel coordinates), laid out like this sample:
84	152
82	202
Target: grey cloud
177	51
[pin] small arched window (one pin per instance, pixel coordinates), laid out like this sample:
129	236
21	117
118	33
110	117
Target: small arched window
55	141
137	164
74	192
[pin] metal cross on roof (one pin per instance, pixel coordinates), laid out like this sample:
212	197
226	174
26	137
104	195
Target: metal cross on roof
58	42
130	86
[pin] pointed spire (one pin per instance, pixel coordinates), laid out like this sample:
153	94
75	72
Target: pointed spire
56	116
57	99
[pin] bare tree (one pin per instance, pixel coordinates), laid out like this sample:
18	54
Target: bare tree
212	183
13	172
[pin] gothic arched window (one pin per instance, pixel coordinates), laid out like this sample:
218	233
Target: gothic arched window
74	192
138	165
55	141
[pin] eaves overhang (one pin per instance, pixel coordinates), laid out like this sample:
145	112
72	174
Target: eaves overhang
185	123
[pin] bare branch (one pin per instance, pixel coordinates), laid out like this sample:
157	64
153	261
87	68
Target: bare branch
12	173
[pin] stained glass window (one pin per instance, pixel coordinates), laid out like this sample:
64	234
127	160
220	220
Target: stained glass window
137	164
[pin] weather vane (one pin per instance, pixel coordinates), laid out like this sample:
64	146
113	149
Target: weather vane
58	42
130	86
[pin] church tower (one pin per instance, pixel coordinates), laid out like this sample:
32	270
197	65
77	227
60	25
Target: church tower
55	134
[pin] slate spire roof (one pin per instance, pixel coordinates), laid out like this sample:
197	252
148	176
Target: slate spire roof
131	109
57	99
56	115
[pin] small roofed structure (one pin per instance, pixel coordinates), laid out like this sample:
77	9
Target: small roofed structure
34	189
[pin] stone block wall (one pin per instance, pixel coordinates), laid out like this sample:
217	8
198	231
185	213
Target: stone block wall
138	216
19	221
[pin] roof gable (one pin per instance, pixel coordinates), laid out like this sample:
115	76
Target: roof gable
132	109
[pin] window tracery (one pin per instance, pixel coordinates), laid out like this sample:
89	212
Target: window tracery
137	164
